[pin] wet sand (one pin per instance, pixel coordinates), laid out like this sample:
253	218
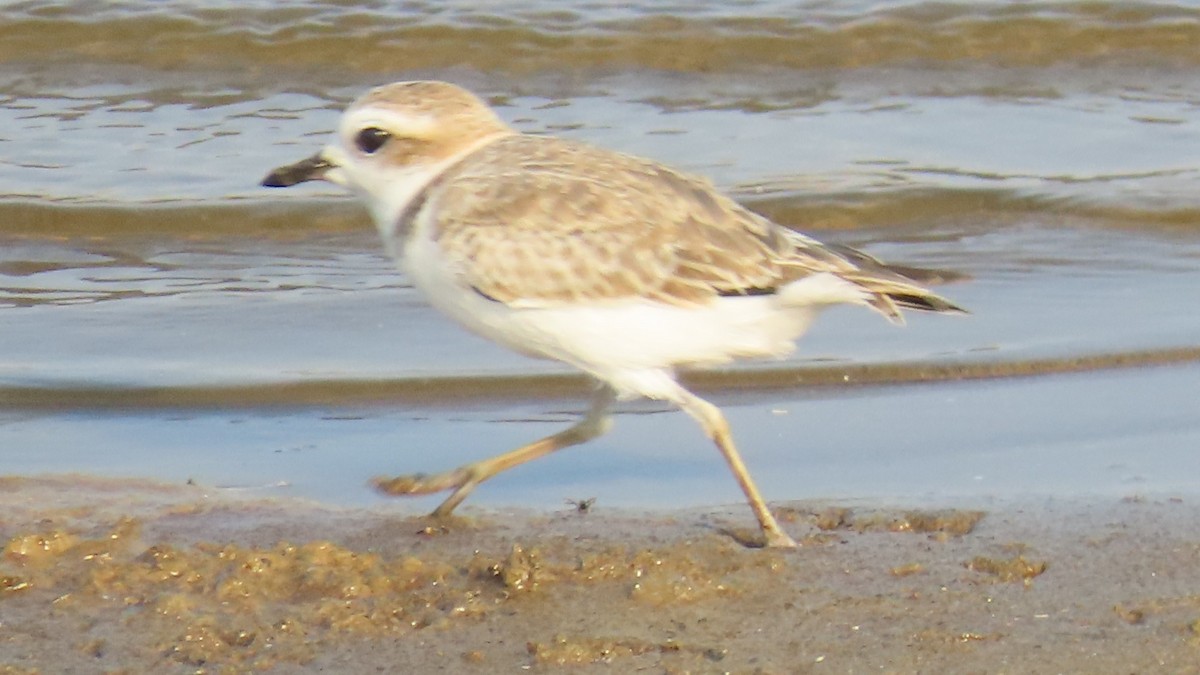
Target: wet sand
101	575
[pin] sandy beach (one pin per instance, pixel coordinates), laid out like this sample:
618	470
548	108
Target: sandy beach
115	576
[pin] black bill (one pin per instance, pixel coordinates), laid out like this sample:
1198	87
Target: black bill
313	168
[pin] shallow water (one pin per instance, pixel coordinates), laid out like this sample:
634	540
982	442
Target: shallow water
1093	434
162	315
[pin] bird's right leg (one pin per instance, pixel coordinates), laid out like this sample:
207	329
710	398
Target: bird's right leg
464	479
713	421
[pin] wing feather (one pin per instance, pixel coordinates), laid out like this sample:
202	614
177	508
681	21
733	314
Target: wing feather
537	221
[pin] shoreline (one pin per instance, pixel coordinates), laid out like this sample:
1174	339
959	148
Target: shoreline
133	575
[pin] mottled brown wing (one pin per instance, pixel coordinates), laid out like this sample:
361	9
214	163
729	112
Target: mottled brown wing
568	223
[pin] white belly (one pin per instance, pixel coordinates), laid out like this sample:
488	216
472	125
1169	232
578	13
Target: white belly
606	338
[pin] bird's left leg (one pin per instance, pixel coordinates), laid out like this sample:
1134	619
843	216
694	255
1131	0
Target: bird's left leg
464	479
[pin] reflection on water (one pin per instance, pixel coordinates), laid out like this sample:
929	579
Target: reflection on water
1104	148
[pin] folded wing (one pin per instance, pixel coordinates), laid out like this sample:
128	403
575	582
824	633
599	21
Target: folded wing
581	224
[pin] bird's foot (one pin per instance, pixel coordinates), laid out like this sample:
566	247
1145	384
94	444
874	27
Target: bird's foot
462	480
778	539
425	483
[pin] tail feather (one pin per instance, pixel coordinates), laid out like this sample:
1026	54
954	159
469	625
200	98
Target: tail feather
922	275
891	292
896	286
927	302
834	273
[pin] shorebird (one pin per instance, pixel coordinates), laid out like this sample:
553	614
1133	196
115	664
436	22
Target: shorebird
619	266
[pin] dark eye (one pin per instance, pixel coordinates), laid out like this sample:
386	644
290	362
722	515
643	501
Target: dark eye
371	139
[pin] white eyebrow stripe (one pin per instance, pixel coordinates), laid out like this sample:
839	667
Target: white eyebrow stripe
410	125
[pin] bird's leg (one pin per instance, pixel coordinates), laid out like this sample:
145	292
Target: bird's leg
464	479
713	421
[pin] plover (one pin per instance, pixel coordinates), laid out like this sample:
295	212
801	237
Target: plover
617	265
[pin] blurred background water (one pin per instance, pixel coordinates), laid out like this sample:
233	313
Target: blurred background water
162	315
